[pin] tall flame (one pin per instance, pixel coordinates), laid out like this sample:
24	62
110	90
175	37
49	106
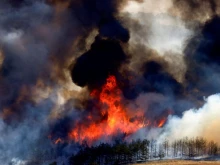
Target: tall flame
116	117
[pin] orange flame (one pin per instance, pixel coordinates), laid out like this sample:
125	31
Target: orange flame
161	122
59	140
114	113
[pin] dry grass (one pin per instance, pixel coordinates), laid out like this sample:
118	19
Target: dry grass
180	162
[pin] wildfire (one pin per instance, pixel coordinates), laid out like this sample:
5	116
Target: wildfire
161	122
114	114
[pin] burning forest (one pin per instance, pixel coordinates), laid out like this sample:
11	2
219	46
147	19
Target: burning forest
79	76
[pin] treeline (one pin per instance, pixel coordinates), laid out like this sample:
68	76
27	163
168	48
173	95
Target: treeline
142	150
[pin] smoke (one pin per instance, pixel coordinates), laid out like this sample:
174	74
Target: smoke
38	42
27	135
202	122
197	56
104	58
30	77
195	10
56	58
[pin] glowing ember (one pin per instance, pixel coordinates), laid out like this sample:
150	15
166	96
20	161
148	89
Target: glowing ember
114	115
59	140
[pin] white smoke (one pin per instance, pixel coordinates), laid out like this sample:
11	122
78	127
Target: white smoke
160	32
202	122
167	32
16	161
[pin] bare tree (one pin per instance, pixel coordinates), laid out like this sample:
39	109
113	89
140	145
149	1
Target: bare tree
161	152
166	147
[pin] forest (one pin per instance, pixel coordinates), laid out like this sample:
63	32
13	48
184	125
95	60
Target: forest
121	152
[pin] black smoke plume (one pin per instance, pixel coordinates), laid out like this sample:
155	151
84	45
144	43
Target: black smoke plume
203	60
103	59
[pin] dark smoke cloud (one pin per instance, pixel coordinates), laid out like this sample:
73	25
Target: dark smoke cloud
202	49
157	80
103	59
202	56
28	35
105	55
25	55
